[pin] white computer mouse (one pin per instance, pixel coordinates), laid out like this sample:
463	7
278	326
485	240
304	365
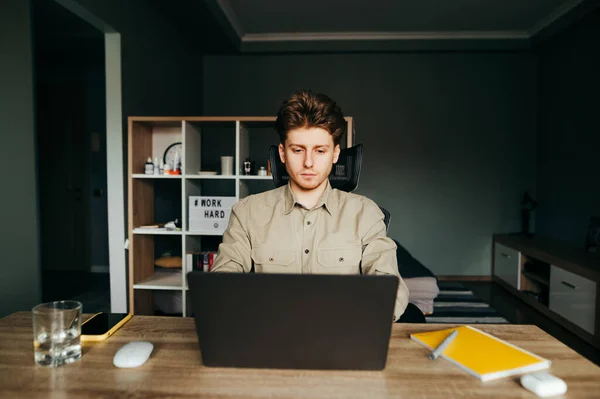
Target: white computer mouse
133	354
544	384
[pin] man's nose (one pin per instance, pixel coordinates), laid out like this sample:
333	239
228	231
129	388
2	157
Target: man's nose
308	160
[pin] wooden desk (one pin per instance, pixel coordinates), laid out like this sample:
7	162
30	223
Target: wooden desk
175	369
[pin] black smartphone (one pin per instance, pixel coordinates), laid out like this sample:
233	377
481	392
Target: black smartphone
102	325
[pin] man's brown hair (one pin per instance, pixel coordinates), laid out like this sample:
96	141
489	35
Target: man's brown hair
305	109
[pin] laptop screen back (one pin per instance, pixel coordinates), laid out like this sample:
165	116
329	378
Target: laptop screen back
295	321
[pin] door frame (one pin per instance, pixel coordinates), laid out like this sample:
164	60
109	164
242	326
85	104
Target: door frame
114	156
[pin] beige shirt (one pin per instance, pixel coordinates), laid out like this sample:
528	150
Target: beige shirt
343	234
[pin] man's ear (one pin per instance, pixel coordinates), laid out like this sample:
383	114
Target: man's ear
281	153
336	153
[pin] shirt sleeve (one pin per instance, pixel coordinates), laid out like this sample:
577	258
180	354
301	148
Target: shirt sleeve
379	254
235	252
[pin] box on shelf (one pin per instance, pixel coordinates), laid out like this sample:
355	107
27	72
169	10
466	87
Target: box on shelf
209	214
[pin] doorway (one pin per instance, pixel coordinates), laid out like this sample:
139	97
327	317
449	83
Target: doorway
70	95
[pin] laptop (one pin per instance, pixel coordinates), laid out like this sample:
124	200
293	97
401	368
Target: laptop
293	321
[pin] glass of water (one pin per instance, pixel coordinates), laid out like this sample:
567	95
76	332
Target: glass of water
56	333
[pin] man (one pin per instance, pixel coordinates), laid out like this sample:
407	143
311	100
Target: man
306	226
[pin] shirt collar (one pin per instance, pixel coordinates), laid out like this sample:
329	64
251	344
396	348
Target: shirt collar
326	200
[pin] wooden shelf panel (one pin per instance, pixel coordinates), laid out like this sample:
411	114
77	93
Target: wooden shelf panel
167	119
143	176
158	231
256	177
167	280
174	233
202	233
221	177
210	177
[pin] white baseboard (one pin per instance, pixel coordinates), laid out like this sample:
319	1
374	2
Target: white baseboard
100	269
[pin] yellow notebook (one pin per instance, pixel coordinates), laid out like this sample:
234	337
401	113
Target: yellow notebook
481	354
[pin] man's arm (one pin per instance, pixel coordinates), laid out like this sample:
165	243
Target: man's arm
235	251
379	254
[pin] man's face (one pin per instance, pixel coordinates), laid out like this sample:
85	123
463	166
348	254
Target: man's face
308	155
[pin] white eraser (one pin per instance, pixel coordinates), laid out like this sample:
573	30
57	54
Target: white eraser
543	384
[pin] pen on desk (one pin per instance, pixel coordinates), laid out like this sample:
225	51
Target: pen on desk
441	347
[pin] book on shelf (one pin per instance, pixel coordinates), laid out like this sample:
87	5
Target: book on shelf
200	261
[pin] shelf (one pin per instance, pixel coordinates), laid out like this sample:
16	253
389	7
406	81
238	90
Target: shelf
143	176
175	233
155	199
537	278
231	177
162	281
256	177
213	177
159	231
203	233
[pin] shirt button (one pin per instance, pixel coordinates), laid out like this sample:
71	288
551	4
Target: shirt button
270	259
306	251
341	259
308	223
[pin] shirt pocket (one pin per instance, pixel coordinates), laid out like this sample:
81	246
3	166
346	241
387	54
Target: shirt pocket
272	260
339	260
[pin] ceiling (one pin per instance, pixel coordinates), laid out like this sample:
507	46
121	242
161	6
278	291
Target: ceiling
198	24
277	26
359	25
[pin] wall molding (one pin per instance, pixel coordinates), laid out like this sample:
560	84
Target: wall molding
374	36
559	13
388	41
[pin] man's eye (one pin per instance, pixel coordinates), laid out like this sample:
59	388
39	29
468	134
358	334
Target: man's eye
297	150
321	151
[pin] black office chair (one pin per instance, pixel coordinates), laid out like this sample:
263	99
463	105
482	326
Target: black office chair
344	174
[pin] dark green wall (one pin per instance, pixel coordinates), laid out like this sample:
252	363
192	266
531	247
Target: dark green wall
569	132
449	137
19	269
161	67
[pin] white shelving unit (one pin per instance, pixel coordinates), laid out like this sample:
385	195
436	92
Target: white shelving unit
255	177
215	177
159	231
144	176
201	233
162	281
161	198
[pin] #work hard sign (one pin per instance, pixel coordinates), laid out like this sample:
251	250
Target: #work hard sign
210	214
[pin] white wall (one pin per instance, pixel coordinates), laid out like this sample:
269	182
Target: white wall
19	250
